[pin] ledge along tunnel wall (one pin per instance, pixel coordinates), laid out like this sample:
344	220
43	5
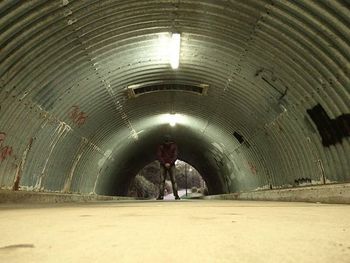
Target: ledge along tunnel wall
276	112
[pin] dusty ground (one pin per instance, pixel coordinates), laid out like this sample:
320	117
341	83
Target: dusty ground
175	231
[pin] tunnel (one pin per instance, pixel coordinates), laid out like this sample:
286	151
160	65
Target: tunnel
255	93
260	93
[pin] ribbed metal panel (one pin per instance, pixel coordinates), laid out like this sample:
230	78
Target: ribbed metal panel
67	123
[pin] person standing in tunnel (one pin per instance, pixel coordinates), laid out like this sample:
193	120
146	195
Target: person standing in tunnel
167	155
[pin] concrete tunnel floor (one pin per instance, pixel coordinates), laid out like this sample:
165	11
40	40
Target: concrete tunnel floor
170	231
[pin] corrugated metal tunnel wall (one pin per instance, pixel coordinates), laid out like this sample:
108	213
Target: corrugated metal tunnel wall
276	113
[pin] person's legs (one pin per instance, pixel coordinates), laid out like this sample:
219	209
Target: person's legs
173	181
162	182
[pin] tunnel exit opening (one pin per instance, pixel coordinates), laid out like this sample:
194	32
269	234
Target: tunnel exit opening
133	155
189	182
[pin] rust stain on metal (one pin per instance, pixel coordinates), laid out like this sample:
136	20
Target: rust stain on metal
20	167
323	176
15	186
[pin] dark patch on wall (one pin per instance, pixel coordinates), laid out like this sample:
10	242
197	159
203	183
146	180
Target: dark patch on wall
309	125
332	131
239	137
302	181
219	162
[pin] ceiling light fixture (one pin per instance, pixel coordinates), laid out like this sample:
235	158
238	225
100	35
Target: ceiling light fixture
174	52
172	120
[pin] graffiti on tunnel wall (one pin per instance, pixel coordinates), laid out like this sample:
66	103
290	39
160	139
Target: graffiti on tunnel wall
5	150
332	131
252	168
77	116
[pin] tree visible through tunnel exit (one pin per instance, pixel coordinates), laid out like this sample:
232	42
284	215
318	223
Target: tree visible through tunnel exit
146	183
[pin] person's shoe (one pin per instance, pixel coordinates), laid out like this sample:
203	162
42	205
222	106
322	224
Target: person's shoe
160	198
177	198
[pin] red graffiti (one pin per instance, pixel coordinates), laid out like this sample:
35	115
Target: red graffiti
78	117
5	151
252	168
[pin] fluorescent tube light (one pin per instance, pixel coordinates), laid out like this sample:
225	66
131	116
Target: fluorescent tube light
174	52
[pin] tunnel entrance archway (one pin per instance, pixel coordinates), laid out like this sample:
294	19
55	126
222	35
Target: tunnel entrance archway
147	181
277	75
189	177
194	149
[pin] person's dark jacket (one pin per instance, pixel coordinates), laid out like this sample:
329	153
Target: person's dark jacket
167	153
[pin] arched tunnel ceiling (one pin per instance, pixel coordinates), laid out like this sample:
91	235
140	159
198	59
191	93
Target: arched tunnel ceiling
276	111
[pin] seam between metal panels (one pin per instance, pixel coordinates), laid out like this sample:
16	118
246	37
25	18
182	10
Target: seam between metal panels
106	84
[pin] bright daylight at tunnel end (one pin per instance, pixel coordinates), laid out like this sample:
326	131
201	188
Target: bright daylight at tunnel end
255	93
